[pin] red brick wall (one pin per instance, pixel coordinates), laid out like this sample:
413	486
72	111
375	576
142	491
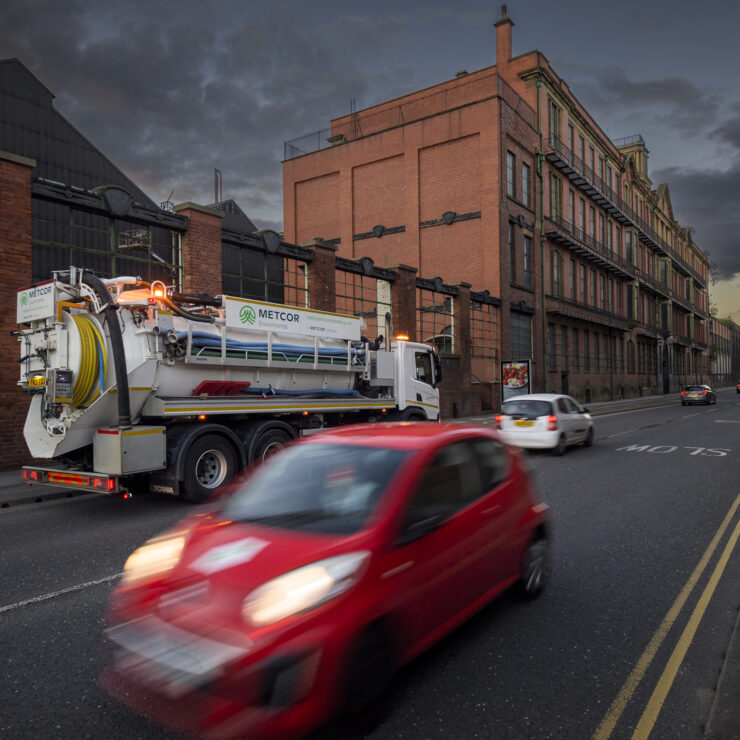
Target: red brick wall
317	208
15	248
201	249
453	252
449	178
387	250
378	197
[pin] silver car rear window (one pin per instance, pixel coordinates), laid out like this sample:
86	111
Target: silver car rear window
528	408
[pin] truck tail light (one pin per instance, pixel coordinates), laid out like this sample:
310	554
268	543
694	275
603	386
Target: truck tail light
498	419
552	423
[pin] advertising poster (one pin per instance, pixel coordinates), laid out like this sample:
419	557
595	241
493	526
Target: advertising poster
515	378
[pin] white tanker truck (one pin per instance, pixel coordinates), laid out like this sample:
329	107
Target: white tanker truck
135	386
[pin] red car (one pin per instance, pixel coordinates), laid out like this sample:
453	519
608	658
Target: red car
335	562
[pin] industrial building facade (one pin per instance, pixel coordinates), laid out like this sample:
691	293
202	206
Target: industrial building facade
502	180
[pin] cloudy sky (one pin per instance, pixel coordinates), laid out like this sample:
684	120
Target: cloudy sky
171	90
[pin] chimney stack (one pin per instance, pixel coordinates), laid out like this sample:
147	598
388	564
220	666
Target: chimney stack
503	38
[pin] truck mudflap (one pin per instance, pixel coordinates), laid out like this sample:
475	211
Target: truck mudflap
62	478
161	482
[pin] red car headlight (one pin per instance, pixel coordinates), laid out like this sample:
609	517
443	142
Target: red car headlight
304	588
154	559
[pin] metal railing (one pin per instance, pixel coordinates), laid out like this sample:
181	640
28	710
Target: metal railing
618	204
609	256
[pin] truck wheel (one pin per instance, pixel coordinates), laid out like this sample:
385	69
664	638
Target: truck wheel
413	415
210	462
268	443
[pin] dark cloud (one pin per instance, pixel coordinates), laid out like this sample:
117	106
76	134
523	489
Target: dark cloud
674	103
729	132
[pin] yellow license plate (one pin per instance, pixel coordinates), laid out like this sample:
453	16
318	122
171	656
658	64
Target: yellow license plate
37	382
524	423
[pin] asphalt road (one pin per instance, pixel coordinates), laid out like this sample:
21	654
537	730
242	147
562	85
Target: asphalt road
644	594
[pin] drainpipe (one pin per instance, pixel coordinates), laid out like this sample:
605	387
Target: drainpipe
540	160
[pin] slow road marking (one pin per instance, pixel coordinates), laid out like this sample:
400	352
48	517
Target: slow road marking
650	714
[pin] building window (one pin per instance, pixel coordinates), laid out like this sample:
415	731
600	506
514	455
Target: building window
582	215
618	240
610	295
586	353
551	346
554	123
602	229
512	254
572	209
557	270
525	183
582	281
628	255
521	335
602	291
663	277
510	175
592	221
573	294
591	160
554	197
575	350
564	346
570	138
593	288
597	359
528	262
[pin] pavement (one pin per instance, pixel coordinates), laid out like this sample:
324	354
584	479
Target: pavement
724	718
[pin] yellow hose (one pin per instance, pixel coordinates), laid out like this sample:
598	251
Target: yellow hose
86	387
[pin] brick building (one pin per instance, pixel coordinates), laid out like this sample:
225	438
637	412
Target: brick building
501	179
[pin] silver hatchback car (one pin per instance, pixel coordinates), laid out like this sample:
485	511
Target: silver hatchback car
545	421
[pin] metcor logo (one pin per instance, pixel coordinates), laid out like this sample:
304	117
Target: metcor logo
247	315
24	299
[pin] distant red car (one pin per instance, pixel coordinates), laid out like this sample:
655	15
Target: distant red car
338	560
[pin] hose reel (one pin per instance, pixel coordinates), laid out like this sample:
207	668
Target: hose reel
93	362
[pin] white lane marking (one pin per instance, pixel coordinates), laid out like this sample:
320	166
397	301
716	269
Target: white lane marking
726	421
619	434
54	594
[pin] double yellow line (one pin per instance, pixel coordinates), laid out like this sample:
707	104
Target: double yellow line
655	703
